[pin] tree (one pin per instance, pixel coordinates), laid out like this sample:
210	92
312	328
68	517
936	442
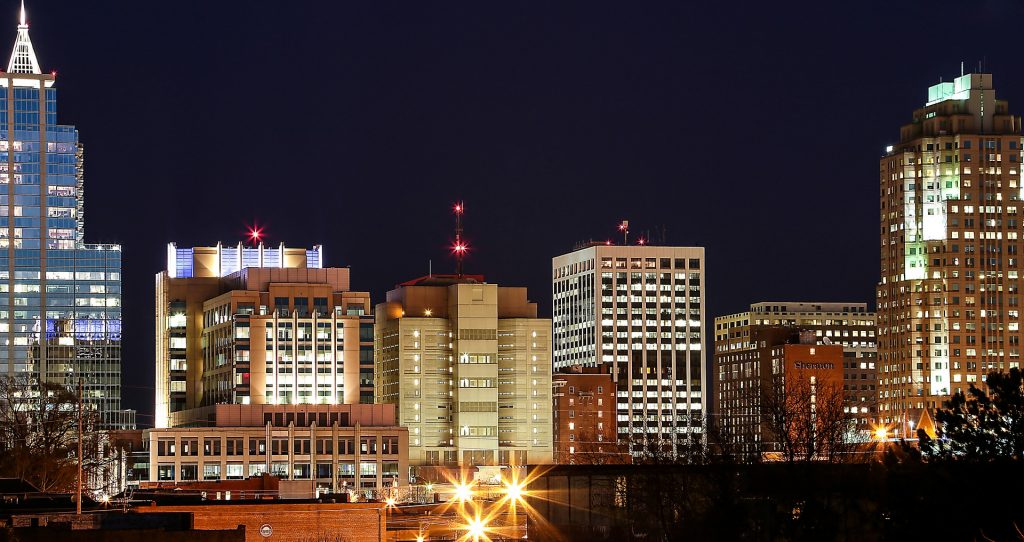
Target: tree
981	425
806	421
39	434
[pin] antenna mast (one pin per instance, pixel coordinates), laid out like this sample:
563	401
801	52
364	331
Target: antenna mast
624	228
460	247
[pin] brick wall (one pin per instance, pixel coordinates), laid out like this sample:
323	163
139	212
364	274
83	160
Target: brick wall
301	522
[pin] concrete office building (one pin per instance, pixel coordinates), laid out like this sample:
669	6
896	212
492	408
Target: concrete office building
334	447
639	312
468	365
950	232
258	326
849	325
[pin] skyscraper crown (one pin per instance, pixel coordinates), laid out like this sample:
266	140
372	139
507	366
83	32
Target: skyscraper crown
23	58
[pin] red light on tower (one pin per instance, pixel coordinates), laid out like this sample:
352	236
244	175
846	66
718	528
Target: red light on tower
460	247
641	241
255	235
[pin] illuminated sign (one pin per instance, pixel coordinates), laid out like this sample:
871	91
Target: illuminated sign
809	365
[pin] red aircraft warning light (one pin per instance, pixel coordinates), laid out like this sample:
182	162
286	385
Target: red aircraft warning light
255	235
459	248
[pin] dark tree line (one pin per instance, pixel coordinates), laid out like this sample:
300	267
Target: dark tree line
980	425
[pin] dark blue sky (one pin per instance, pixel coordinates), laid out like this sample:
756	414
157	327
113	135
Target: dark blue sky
753	130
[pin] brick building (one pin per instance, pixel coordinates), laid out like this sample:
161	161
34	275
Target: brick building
288	522
850	325
584	417
782	382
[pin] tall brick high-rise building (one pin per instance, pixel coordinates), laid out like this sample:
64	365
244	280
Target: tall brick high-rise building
949	293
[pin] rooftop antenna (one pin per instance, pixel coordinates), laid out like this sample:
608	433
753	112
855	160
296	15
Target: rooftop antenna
459	248
624	228
961	68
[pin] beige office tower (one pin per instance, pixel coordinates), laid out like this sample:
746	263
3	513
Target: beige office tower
260	325
639	312
469	366
850	325
949	294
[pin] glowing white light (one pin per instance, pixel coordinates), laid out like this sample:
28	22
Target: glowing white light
463	492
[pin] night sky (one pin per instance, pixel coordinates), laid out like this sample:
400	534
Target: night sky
752	130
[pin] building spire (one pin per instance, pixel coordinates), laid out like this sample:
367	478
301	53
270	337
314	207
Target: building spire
23	58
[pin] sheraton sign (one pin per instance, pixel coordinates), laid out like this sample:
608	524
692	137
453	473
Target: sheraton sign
811	365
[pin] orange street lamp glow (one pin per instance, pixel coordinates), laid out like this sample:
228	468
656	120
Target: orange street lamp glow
476	529
463	492
514	490
881	433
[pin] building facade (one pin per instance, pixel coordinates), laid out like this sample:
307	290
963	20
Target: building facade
782	382
60	310
639	312
949	291
335	447
258	326
849	325
468	366
584	418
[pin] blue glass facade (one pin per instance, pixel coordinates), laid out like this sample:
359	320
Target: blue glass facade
60	299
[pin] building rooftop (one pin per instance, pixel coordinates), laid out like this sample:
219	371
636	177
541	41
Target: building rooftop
222	260
443	280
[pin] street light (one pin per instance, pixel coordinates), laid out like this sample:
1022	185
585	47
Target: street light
514	491
476	528
463	492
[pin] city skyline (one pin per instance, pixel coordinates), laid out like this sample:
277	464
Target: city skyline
505	270
616	120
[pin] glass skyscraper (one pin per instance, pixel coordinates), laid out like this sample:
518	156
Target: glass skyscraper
60	299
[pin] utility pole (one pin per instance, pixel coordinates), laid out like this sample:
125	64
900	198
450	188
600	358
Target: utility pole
78	493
